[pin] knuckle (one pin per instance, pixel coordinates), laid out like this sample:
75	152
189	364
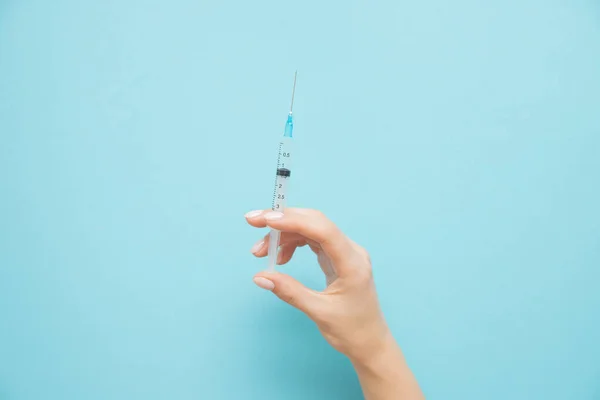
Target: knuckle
318	214
328	233
364	254
288	298
364	270
325	227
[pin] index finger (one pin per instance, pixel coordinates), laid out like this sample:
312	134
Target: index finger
312	225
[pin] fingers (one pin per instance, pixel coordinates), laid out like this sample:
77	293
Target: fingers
289	290
310	224
256	218
286	252
261	248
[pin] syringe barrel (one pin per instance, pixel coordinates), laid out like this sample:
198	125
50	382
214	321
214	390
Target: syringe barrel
274	236
282	174
282	179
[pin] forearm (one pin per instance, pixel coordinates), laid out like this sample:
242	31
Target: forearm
384	375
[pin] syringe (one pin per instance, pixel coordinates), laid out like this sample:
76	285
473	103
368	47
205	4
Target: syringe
282	177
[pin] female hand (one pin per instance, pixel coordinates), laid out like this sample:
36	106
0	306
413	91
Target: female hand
347	312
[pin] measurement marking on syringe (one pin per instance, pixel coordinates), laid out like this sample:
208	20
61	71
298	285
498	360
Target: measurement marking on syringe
278	164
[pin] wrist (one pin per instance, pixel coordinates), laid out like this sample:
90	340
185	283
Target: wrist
382	350
384	374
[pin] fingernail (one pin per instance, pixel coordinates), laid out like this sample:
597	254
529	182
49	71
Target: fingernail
253	214
264	283
273	215
257	246
279	257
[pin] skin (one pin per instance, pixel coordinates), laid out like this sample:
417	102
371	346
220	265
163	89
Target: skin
347	312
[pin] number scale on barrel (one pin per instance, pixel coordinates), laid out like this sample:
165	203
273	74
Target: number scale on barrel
283	174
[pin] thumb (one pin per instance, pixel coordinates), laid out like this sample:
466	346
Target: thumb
288	289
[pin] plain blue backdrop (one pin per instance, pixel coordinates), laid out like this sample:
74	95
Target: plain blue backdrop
458	141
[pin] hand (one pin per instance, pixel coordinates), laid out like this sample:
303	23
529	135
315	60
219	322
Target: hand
347	312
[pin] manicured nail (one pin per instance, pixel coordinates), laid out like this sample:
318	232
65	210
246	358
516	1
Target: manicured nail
264	283
253	214
273	215
257	246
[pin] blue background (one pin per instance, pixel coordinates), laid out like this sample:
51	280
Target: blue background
458	141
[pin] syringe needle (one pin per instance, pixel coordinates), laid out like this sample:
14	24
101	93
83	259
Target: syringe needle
293	91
